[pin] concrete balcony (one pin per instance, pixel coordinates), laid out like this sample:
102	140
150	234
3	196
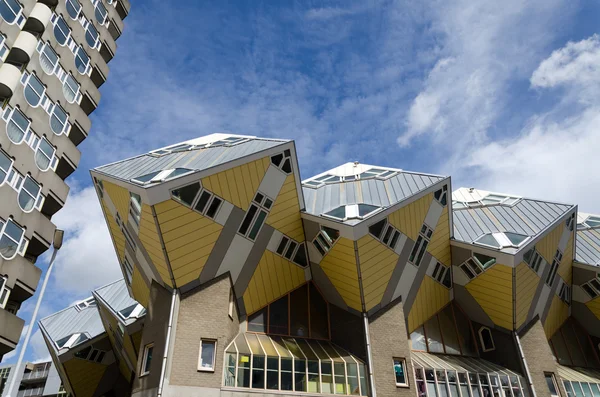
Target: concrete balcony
23	48
34	376
23	277
10	76
38	18
10	331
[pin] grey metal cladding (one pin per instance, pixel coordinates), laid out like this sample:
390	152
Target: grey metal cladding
381	193
588	243
199	159
528	217
116	295
70	321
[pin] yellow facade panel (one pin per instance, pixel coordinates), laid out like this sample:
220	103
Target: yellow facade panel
84	376
274	277
565	269
558	313
377	262
439	245
549	244
119	197
409	218
340	266
150	240
594	306
431	298
115	232
526	283
493	291
139	288
285	214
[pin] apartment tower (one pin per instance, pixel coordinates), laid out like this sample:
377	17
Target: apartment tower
54	58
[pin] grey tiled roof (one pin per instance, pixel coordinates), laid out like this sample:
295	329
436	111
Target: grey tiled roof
116	295
588	246
70	321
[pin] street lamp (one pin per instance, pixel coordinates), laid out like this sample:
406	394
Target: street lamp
56	244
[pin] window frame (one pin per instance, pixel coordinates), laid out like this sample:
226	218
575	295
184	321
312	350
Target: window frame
551	276
42	53
554	382
147	348
401	360
420	247
285	159
87	25
4	291
98	3
55	18
9	169
481	340
51	160
27	84
67	2
66	126
79	48
9	119
3	47
76	94
264	204
214	342
35	198
19	18
323	242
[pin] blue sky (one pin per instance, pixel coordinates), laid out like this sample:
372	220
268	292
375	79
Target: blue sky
502	96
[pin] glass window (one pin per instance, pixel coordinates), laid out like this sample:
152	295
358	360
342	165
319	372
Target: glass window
206	360
434	335
488	239
185	194
48	59
59	119
17	126
62	32
448	328
91	35
10	10
28	194
73	8
82	60
100	12
550	381
10	239
417	338
399	371
44	154
319	314
377	228
486	339
515	238
257	322
484	260
34	90
147	359
5	166
70	89
299	312
278	316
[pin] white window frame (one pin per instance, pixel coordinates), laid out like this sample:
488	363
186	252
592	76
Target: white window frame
565	293
96	3
25	80
135	208
52	161
4	291
41	48
443	194
77	94
36	198
10	167
287	156
3	47
147	347
265	204
594	287
320	239
404	368
78	12
86	26
8	115
351	211
425	234
231	303
536	260
553	378
214	357
483	347
88	66
128	267
19	17
67	125
68	39
439	274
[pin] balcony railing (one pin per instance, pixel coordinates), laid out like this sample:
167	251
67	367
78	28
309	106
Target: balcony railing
35	375
31	392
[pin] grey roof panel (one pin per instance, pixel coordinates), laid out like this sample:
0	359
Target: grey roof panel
116	295
70	321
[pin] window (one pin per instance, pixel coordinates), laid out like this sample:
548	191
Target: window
255	216
484	261
28	194
91	35
352	211
3	48
533	259
73	8
4	292
82	60
5	166
72	340
71	89
565	293
100	12
420	246
134	311
385	233
48	58
160	176
592	287
206	358
442	275
570	222
502	240
84	304
400	372
11	11
325	239
486	339
59	120
62	32
10	239
128	269
34	89
125	232
17	126
231	303
283	161
442	195
291	250
135	207
44	155
147	359
591	222
553	268
201	201
91	354
551	382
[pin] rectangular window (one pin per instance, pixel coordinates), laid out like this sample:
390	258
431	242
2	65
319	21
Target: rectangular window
400	372
255	216
231	303
206	359
551	382
565	294
418	251
553	268
147	359
4	292
128	269
135	209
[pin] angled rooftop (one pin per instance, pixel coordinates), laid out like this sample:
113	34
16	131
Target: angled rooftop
353	191
501	221
183	158
116	296
588	239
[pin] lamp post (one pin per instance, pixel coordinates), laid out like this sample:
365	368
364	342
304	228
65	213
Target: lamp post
56	244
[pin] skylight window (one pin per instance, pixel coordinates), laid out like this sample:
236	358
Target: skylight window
161	176
72	340
378	173
134	311
591	222
490	199
352	211
183	147
502	240
89	302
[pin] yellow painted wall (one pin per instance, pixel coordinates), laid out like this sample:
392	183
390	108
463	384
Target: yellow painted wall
377	263
238	185
565	269
137	340
119	197
439	245
340	266
409	218
115	232
549	244
526	283
84	376
139	288
493	291
285	214
274	277
430	299
189	239
149	237
594	306
559	312
110	323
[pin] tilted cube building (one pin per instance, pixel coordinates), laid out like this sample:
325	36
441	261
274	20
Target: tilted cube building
363	280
